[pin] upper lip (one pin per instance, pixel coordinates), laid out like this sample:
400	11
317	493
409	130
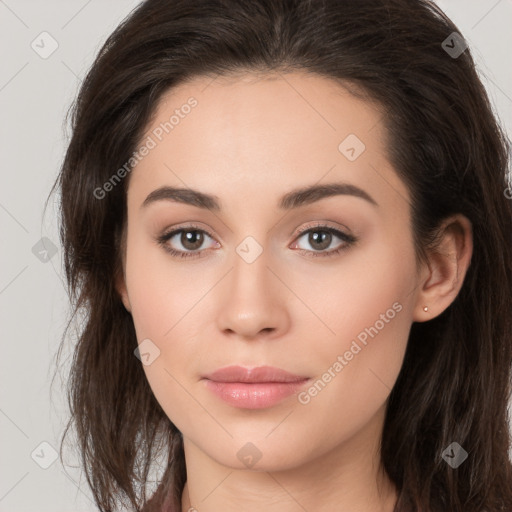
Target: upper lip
255	374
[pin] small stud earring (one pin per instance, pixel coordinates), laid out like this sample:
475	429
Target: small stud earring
425	308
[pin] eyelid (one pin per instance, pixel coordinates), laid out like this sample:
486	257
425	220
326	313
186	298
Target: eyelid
183	227
347	239
323	225
300	231
170	233
344	235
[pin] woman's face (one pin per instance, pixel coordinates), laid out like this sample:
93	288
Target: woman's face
317	282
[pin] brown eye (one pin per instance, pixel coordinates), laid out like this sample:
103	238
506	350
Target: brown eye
319	239
185	242
191	239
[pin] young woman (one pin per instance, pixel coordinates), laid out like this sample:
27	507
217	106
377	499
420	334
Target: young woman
288	229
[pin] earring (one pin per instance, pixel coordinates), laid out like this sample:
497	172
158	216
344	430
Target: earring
425	309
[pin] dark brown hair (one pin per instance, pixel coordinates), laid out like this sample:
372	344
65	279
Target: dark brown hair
445	144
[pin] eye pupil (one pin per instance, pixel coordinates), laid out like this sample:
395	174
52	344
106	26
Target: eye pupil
322	237
192	239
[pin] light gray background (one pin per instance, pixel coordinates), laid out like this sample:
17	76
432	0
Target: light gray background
34	96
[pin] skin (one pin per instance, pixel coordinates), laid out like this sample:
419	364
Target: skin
251	139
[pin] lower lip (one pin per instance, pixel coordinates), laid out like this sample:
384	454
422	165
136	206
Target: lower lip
258	395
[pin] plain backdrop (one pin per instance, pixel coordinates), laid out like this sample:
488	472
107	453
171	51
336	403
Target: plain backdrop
35	93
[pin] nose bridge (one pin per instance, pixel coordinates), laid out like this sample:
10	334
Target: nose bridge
251	300
250	275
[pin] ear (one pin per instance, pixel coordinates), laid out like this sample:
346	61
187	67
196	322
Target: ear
120	284
443	275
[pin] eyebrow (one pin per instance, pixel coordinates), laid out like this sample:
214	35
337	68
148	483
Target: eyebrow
294	199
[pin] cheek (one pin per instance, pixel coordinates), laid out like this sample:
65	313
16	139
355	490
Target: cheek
365	306
350	295
162	299
164	303
161	293
370	313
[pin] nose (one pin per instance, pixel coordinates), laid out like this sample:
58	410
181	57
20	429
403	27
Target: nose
252	301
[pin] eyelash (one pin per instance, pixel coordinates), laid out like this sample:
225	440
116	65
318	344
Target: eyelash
348	240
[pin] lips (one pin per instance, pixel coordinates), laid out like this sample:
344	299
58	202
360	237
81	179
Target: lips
253	388
257	374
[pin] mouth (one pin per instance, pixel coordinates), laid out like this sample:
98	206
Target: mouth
253	388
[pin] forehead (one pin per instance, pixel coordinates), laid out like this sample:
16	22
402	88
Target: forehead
250	133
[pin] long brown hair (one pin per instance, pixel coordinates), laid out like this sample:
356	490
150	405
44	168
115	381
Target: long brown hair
444	142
